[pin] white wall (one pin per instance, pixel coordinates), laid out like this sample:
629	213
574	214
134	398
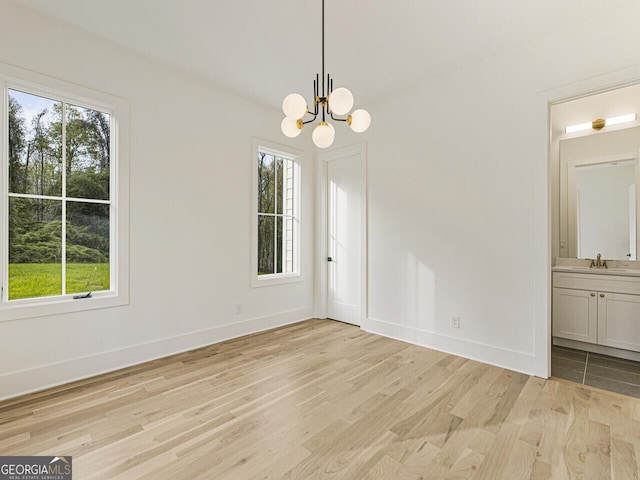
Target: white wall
189	215
458	195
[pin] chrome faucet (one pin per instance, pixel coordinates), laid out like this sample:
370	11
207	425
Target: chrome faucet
598	263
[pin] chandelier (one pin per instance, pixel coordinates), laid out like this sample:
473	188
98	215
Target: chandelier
327	103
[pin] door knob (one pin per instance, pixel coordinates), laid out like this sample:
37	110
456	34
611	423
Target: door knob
602	295
593	294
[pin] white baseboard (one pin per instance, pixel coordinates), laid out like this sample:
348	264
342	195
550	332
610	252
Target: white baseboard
34	379
490	354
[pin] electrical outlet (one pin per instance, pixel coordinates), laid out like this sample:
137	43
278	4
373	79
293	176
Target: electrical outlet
238	308
455	321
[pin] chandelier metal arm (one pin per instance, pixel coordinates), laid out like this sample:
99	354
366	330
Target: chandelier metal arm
313	119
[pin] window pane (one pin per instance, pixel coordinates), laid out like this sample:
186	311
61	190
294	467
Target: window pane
287	244
88	139
35	248
279	184
287	189
87	247
279	236
35	144
266	183
266	228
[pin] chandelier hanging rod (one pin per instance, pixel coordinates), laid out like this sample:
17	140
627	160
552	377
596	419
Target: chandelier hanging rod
323	49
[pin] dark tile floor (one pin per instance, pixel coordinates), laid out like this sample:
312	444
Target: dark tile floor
609	373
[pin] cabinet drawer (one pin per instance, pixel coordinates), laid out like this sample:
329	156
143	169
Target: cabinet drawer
597	283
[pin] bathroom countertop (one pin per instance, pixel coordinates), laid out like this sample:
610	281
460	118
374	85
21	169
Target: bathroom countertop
627	272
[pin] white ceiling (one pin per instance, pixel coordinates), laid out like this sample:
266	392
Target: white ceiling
267	49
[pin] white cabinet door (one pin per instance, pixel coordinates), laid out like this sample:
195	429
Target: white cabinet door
575	314
619	320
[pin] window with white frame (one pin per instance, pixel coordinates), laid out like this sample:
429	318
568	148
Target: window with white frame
277	222
60	238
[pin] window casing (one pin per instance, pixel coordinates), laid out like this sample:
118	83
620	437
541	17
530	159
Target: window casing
276	229
64	209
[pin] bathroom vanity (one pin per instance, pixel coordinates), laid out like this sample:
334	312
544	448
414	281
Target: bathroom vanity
597	309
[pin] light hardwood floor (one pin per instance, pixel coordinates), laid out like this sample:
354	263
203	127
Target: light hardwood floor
324	400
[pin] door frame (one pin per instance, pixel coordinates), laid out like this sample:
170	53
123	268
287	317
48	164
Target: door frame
543	218
321	276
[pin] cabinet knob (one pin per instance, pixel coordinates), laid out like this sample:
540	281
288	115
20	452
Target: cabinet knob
593	294
602	295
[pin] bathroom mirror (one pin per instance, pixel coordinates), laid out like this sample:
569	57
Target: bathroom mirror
602	206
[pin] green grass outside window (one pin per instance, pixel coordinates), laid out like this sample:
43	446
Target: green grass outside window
29	280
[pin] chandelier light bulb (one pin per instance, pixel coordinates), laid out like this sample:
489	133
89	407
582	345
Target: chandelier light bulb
290	127
359	120
294	106
323	135
341	101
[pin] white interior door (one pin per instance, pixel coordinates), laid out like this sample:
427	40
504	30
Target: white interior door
345	238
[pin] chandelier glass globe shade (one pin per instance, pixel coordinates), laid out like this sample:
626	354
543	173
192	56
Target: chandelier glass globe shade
341	101
360	120
289	127
323	135
294	106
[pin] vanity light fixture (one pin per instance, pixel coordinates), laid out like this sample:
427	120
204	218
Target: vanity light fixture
327	102
600	123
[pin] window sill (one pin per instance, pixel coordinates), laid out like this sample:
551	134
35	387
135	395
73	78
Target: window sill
276	279
42	307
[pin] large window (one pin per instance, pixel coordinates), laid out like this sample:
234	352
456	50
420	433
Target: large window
277	237
60	217
59	202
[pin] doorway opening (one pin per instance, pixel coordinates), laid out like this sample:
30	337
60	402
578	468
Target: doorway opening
595	299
